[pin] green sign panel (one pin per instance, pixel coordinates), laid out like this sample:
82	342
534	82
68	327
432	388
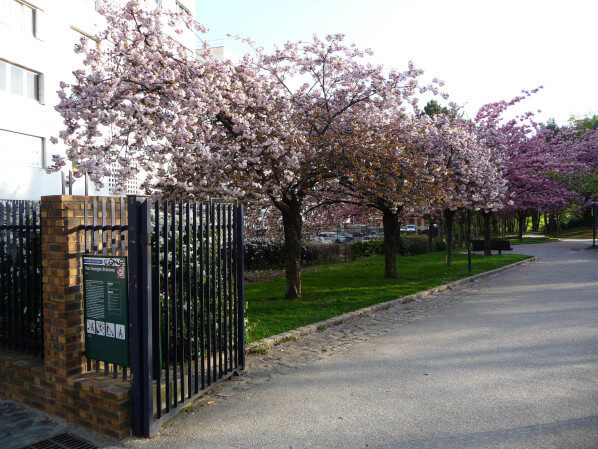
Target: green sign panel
106	309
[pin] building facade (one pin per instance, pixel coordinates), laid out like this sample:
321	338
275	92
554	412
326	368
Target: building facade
37	39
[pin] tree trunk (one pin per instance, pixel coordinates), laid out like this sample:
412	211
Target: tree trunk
558	223
462	221
440	227
535	221
391	243
587	216
552	225
397	240
487	233
293	223
449	219
430	235
522	217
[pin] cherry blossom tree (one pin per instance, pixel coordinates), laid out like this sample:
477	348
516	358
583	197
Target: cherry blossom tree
473	178
538	167
332	94
500	135
388	166
192	126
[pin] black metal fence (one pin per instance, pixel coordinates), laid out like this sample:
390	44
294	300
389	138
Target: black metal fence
186	303
20	277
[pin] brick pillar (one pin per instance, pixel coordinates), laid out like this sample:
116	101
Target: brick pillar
62	246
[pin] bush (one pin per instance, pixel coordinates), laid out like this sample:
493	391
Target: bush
366	248
261	255
418	244
322	253
440	245
270	256
410	246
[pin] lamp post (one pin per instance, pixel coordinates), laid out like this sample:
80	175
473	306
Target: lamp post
595	210
469	240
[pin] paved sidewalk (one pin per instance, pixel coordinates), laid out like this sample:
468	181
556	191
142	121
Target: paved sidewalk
510	361
21	425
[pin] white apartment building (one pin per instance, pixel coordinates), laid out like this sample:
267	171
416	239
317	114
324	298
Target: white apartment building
37	38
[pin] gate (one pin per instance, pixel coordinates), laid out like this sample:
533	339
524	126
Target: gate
20	277
187	308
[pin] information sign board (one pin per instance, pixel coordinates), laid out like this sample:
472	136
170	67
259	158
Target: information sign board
106	302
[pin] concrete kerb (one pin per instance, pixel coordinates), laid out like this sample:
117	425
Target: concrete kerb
268	342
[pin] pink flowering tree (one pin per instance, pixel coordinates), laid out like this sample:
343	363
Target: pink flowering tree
538	169
330	94
501	136
579	143
192	126
387	166
473	178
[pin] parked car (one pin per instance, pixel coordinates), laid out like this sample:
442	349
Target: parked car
348	237
372	237
358	234
410	229
330	237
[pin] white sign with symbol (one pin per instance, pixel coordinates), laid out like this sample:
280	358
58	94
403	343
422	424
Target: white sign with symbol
110	330
101	328
120	331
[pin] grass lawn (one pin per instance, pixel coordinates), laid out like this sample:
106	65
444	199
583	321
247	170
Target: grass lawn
331	290
533	240
580	233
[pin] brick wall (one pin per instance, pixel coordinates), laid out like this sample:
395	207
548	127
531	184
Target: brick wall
60	384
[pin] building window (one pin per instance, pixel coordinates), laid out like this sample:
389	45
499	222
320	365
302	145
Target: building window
33	85
3	76
78	34
16	80
19	81
21	150
19	15
130	187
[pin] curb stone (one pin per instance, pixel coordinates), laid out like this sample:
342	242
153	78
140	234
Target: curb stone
273	340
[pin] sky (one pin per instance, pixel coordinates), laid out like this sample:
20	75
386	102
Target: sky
485	50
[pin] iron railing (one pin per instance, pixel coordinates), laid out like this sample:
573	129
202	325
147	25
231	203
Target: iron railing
198	311
21	316
186	297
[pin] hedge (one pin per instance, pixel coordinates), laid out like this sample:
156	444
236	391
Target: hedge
261	255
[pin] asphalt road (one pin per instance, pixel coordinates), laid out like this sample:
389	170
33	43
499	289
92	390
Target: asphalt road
513	363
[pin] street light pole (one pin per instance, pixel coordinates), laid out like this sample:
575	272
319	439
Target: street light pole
469	240
595	210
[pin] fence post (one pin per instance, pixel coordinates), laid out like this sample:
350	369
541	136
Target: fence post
61	219
140	314
240	237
